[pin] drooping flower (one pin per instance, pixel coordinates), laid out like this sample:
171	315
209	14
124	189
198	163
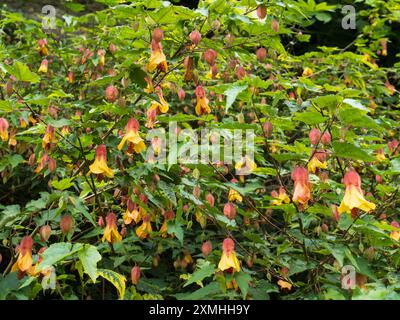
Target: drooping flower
43	50
280	197
145	229
42	162
4	129
353	196
99	166
43	66
307	72
395	234
135	142
284	284
162	106
229	261
111	233
70	77
393	146
245	166
132	213
49	137
188	64
233	195
101	53
12	141
202	102
383	43
157	58
302	187
380	155
169	215
149	88
318	161
24	259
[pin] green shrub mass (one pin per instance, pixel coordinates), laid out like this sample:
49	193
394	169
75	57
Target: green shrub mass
87	213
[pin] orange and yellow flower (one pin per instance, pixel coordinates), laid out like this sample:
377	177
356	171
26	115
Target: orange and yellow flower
162	106
43	50
380	155
353	196
43	66
245	166
135	142
164	228
229	261
280	198
307	72
24	260
157	58
395	234
111	233
4	129
302	186
49	137
145	229
233	196
131	213
202	102
99	166
318	161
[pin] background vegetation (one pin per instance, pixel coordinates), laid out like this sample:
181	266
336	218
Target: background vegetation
282	72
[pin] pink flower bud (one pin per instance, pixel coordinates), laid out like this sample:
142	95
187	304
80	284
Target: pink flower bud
45	233
195	37
261	54
261	11
181	94
135	275
158	35
210	199
66	224
315	136
100	222
210	55
275	25
112	48
229	211
111	93
268	128
206	248
326	138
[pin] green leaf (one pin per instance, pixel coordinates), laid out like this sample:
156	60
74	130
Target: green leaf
350	151
232	93
58	252
357	118
62	184
203	293
89	257
242	280
5	106
356	104
22	73
310	117
207	269
117	280
174	227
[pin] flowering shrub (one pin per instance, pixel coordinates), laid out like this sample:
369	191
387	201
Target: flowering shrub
103	192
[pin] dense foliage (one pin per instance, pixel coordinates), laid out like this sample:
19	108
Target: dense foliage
86	213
